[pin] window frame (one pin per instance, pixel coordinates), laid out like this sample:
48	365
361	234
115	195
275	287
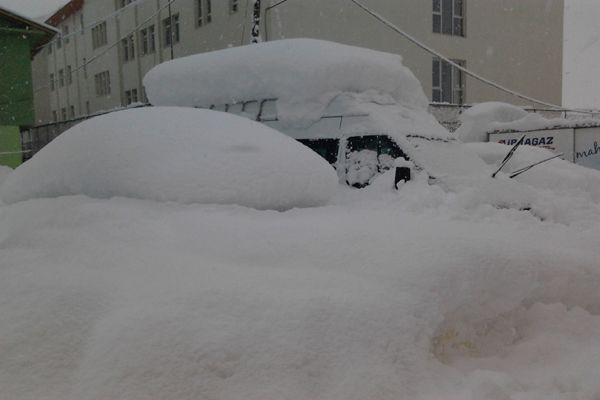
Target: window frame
456	19
102	83
208	11
99	35
131	96
69	75
147	40
168	33
204	12
65	33
234	6
128	48
457	93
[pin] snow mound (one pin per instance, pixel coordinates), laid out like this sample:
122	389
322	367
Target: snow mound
484	118
126	299
176	154
4	172
304	75
477	120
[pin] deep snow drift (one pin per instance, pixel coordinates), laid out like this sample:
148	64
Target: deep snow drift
478	120
4	172
418	294
176	154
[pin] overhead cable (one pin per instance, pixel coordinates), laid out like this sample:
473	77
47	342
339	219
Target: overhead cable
458	66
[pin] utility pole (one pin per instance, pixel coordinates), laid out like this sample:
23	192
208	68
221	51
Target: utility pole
256	22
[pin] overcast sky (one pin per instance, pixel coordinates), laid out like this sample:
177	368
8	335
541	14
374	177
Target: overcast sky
581	80
33	8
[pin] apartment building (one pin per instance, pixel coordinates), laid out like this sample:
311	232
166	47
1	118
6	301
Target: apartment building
107	46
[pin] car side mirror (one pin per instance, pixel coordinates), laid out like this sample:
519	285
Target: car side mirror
402	174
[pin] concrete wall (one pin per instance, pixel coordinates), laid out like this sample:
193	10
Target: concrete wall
517	43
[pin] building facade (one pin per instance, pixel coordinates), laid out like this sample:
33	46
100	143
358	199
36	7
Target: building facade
108	45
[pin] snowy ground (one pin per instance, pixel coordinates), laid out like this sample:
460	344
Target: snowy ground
127	282
420	294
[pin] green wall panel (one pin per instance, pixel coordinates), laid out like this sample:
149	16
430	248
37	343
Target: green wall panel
10	142
16	95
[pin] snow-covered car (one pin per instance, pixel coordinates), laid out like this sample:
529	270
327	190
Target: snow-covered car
176	154
359	109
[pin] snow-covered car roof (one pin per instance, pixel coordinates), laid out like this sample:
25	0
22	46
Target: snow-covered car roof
307	78
293	70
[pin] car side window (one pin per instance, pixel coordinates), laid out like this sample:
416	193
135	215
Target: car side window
326	148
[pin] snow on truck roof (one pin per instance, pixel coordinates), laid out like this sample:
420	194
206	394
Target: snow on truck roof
304	75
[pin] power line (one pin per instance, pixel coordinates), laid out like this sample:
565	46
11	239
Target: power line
458	66
267	10
107	49
276	4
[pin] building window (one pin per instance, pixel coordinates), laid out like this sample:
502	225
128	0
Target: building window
85	75
448	82
128	46
63	113
204	11
52	83
171	30
99	37
234	6
102	82
72	112
65	33
54	116
69	75
200	12
87	108
61	78
449	17
125	2
148	40
131	96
